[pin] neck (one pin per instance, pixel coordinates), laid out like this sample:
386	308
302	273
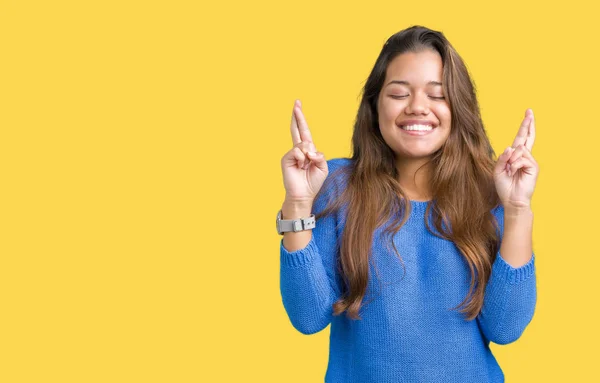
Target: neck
413	176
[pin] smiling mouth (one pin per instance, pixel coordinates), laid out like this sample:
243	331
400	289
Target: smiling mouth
417	128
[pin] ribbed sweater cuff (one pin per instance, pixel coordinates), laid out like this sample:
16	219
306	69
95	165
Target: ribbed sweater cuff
512	275
299	257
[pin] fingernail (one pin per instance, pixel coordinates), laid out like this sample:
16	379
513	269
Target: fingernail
312	154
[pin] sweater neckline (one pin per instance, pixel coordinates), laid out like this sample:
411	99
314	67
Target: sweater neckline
419	206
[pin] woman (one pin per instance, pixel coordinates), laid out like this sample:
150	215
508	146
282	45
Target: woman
421	253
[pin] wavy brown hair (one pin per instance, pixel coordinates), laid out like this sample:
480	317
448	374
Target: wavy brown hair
461	179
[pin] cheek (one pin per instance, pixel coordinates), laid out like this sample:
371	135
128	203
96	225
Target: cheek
443	115
390	110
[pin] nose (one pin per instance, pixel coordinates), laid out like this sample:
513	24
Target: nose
417	104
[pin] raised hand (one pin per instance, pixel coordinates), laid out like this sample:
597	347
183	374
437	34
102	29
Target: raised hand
516	170
304	169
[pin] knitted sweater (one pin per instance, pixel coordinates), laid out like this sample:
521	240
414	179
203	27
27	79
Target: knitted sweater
407	332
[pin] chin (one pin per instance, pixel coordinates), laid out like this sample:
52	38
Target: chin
416	156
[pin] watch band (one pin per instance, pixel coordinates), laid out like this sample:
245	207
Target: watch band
298	224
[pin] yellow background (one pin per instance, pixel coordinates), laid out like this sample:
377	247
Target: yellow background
140	176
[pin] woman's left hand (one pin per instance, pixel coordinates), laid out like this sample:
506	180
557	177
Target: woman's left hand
516	171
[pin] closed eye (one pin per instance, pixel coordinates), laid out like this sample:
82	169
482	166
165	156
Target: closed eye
401	97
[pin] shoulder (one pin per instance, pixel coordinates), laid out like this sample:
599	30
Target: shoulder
498	210
336	181
338	171
337	163
498	213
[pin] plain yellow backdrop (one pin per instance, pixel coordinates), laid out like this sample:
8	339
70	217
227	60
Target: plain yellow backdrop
140	176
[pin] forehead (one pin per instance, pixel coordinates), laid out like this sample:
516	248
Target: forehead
415	68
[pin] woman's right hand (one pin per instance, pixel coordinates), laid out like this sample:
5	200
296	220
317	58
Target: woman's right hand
304	169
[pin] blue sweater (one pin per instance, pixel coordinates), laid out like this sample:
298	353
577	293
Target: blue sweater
407	332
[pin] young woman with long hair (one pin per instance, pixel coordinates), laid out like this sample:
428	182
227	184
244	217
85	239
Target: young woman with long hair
421	252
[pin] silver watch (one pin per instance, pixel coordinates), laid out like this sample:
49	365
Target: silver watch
298	224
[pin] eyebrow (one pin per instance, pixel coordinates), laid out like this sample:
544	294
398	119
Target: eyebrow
401	82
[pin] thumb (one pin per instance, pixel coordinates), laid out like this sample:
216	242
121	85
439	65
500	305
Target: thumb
318	159
502	160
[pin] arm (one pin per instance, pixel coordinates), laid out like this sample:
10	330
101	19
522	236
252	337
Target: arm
511	294
307	272
518	231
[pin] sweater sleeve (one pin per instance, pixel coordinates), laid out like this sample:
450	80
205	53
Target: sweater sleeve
307	276
510	297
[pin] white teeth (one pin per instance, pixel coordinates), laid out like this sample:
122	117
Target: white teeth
417	127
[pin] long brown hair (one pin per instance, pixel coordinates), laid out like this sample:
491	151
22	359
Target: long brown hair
461	179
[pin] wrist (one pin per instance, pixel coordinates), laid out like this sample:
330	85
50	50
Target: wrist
517	211
296	209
